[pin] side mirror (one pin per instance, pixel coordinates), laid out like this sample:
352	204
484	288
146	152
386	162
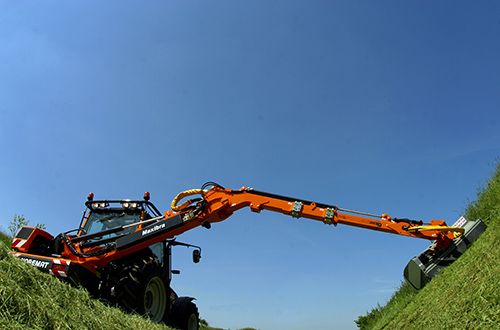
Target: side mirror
196	256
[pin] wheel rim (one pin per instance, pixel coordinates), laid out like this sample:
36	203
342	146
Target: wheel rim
193	322
155	299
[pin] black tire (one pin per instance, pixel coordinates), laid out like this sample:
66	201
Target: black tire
141	287
185	314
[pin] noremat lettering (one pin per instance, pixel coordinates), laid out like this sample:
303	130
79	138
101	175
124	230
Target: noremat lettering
36	263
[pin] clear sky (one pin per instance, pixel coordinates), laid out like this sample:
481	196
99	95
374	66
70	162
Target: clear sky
381	106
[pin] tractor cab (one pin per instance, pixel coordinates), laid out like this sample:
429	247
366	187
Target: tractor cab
102	218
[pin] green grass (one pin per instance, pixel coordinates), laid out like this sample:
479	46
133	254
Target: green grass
30	299
466	295
5	238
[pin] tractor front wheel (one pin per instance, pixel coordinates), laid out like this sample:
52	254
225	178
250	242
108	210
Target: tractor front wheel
185	314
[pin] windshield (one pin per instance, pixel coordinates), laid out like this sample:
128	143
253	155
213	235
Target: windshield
99	221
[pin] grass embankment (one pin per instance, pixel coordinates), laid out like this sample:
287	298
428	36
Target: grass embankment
5	238
30	299
466	295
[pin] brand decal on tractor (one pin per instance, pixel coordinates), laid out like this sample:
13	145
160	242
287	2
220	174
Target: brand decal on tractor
155	228
36	263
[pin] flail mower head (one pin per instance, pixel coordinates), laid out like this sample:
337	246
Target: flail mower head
423	268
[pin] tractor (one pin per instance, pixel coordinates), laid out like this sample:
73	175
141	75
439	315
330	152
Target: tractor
121	251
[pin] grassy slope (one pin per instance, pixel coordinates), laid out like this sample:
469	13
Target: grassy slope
30	299
5	238
466	295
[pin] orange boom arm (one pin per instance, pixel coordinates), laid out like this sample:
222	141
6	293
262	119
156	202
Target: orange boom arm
219	203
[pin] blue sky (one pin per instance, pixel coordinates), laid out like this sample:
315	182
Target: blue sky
377	106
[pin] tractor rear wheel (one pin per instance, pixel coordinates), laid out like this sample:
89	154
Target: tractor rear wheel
142	288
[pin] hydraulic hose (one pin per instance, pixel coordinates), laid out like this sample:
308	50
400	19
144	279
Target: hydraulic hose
182	195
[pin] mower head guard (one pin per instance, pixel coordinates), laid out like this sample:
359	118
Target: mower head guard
423	268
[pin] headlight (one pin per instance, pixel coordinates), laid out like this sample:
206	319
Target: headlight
100	205
129	205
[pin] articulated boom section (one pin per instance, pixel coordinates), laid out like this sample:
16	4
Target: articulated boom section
449	242
220	203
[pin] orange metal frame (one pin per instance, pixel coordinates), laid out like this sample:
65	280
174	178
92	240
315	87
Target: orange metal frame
220	203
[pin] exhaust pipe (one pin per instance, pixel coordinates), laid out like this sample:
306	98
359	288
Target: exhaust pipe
420	270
